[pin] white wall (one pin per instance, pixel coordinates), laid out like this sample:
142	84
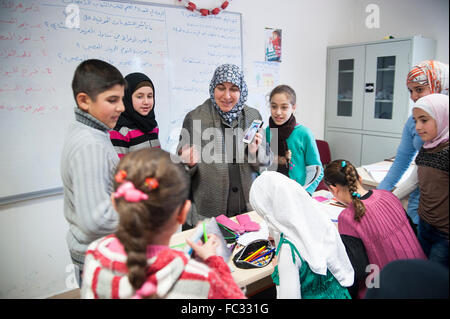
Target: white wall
403	18
34	256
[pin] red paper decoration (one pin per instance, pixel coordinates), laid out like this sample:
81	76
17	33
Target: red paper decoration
191	6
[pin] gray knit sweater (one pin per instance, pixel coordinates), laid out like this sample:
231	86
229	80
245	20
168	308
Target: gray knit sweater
210	180
87	166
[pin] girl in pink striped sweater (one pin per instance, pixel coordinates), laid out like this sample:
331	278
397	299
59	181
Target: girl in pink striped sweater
373	227
137	127
136	262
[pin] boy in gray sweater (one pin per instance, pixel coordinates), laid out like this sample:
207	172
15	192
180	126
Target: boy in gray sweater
88	157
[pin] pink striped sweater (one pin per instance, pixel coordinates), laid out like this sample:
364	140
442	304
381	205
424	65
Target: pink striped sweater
171	274
384	230
126	140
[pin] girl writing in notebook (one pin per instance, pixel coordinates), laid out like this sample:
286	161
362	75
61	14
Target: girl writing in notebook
374	224
151	199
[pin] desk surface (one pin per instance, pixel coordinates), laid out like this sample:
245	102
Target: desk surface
242	277
367	180
369	183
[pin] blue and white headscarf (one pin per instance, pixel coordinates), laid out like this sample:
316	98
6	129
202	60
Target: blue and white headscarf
229	73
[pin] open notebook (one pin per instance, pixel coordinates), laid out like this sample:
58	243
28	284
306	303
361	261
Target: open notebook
210	226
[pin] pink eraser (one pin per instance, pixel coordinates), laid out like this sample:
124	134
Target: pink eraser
224	220
248	224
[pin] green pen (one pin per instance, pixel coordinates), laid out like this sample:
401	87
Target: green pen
205	237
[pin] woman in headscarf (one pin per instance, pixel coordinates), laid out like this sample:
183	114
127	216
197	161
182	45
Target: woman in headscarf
430	174
137	127
220	164
311	259
425	78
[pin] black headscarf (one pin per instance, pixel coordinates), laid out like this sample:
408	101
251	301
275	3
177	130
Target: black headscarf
130	118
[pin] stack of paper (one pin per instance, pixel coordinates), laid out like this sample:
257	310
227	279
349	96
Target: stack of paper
378	171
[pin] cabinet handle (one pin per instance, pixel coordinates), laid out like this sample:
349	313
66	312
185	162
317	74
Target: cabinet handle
369	87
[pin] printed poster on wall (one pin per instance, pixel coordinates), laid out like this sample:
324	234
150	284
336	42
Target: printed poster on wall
273	45
266	75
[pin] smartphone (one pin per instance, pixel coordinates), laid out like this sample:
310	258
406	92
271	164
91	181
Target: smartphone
251	132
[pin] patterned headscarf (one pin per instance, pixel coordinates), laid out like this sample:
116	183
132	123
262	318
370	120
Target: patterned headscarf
436	105
431	73
232	74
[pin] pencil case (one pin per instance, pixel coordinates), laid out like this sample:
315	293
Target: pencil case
261	259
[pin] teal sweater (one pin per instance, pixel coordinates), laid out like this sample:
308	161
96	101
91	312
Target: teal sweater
304	150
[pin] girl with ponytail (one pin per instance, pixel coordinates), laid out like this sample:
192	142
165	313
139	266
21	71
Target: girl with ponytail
151	198
374	226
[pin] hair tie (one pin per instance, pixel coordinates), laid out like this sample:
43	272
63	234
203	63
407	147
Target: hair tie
343	164
355	194
152	183
120	176
130	193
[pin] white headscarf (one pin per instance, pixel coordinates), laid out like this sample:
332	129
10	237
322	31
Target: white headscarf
289	209
436	105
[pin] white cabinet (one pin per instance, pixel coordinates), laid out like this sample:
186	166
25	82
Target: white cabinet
367	101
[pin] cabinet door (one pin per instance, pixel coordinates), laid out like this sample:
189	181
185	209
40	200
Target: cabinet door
346	146
378	148
386	105
345	84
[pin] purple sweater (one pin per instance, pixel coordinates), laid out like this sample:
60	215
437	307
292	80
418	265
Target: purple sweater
384	229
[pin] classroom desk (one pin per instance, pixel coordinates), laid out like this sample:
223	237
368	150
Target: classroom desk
367	180
254	279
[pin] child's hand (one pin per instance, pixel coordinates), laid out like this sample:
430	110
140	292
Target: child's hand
204	251
288	155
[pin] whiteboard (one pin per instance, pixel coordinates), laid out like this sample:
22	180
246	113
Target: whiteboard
43	41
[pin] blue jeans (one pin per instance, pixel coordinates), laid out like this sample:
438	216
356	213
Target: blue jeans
434	242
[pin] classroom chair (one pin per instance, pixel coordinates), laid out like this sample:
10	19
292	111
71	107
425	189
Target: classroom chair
325	158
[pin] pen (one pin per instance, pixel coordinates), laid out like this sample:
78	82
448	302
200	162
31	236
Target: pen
265	254
338	205
258	255
205	237
253	254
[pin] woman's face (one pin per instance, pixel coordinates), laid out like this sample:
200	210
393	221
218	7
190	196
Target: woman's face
142	100
226	95
281	108
417	91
